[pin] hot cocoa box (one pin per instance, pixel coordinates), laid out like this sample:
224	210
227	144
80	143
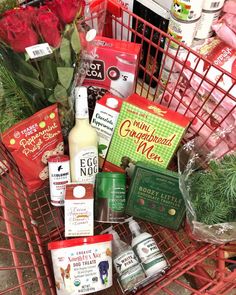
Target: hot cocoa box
145	131
113	69
154	196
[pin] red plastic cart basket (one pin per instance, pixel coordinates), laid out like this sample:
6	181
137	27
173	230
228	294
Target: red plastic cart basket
28	223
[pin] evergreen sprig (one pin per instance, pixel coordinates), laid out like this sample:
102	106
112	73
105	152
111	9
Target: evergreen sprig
213	192
14	105
7	4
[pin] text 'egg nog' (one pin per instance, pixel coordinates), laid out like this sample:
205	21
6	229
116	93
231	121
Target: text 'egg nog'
83	142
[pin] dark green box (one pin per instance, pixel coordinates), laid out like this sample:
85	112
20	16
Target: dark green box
154	195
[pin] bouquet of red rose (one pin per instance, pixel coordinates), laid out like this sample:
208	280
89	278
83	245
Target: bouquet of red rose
39	51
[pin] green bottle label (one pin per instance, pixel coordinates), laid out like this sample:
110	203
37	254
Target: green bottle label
131	277
110	191
148	253
117	199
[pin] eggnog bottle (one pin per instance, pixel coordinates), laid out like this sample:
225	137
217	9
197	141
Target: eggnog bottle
83	142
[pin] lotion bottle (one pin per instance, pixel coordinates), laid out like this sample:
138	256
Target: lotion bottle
83	142
146	249
125	261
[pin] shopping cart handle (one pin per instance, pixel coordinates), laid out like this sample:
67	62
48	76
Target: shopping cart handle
113	7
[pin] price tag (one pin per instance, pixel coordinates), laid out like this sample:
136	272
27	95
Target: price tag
38	50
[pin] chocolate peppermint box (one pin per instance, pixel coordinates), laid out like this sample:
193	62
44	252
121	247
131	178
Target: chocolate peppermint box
154	195
145	131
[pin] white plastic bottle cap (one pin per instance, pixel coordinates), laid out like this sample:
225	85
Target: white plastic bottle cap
112	102
79	192
91	34
80	91
134	226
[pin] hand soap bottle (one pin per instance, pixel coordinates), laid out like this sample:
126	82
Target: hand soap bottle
125	262
146	249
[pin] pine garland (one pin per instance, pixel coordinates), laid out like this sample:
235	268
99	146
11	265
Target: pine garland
14	105
213	192
7	4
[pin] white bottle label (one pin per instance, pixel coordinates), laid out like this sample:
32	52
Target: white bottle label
148	252
59	176
86	165
125	261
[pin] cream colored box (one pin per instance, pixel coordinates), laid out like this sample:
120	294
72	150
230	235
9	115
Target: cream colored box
79	212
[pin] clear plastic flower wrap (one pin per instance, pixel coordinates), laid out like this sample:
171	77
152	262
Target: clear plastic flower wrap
41	49
208	185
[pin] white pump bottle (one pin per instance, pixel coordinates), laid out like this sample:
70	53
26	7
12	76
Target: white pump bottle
125	262
146	249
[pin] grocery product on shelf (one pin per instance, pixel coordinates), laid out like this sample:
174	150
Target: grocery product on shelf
145	247
79	207
157	14
182	31
212	5
187	10
207	20
32	141
145	131
104	120
59	176
83	142
110	196
82	265
194	92
225	26
130	272
154	196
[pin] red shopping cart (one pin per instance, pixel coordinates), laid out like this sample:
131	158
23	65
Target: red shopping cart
28	223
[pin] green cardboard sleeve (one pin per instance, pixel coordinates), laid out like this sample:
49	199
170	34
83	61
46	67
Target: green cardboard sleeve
154	196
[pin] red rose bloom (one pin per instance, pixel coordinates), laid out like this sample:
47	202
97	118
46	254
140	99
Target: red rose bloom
47	25
66	10
23	13
17	33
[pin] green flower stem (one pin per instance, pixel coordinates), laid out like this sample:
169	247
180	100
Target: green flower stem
57	56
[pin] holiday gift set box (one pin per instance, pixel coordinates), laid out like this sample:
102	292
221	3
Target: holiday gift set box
154	196
145	131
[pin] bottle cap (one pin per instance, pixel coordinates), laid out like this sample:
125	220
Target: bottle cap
112	102
81	102
133	225
80	91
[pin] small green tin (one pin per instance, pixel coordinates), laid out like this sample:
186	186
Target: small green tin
110	197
